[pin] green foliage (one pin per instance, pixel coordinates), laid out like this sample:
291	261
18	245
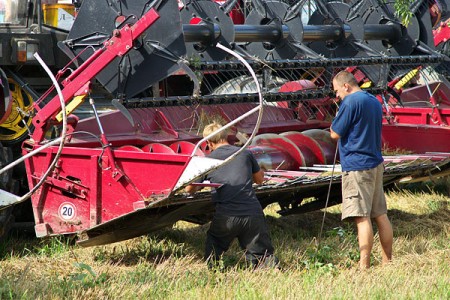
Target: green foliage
403	11
320	259
339	232
49	247
85	276
339	250
435	206
6	292
52	246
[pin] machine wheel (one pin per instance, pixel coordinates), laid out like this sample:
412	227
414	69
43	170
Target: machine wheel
6	216
6	157
6	222
15	128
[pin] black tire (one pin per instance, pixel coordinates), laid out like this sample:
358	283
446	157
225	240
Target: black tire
6	216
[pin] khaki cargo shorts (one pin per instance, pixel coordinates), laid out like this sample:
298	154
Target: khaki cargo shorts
363	194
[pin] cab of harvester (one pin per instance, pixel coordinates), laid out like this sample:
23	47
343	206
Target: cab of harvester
27	27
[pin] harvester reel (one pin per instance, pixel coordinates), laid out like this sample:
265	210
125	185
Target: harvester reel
406	42
124	76
15	127
280	49
341	47
208	15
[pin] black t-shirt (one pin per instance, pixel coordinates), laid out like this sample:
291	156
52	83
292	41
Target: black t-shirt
236	196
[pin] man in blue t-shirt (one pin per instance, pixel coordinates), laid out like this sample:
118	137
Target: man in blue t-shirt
238	212
357	127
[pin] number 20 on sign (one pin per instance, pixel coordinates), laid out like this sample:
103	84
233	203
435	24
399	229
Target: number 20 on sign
67	211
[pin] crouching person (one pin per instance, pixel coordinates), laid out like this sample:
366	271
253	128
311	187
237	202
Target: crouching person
238	213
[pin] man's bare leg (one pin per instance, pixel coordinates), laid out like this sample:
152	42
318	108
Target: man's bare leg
365	240
386	237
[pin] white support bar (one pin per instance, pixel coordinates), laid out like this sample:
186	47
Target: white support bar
7	199
196	167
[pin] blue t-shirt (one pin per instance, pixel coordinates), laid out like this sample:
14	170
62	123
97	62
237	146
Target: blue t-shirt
236	197
358	124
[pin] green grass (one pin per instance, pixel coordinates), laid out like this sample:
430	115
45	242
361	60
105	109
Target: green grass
169	265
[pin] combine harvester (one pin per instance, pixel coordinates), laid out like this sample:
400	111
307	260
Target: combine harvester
263	68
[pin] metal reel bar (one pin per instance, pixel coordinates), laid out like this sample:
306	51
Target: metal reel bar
291	30
205	24
402	42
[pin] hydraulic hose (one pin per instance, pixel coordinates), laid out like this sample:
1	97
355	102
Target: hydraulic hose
60	140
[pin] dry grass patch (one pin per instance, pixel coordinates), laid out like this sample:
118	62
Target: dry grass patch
168	264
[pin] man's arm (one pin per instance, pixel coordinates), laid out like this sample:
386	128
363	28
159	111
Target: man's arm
191	189
334	135
258	177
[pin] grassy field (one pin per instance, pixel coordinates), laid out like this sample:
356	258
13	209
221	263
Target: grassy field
168	264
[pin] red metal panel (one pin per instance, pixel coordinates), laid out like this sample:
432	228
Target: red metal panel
95	203
81	193
420	115
417	138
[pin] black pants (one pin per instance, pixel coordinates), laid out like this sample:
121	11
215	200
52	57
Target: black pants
252	234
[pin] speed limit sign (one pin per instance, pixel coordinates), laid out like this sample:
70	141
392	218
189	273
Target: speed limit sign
67	211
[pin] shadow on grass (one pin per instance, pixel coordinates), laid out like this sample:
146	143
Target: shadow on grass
438	186
406	224
189	242
290	231
20	245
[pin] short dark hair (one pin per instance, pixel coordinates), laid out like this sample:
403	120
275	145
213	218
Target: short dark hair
345	77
